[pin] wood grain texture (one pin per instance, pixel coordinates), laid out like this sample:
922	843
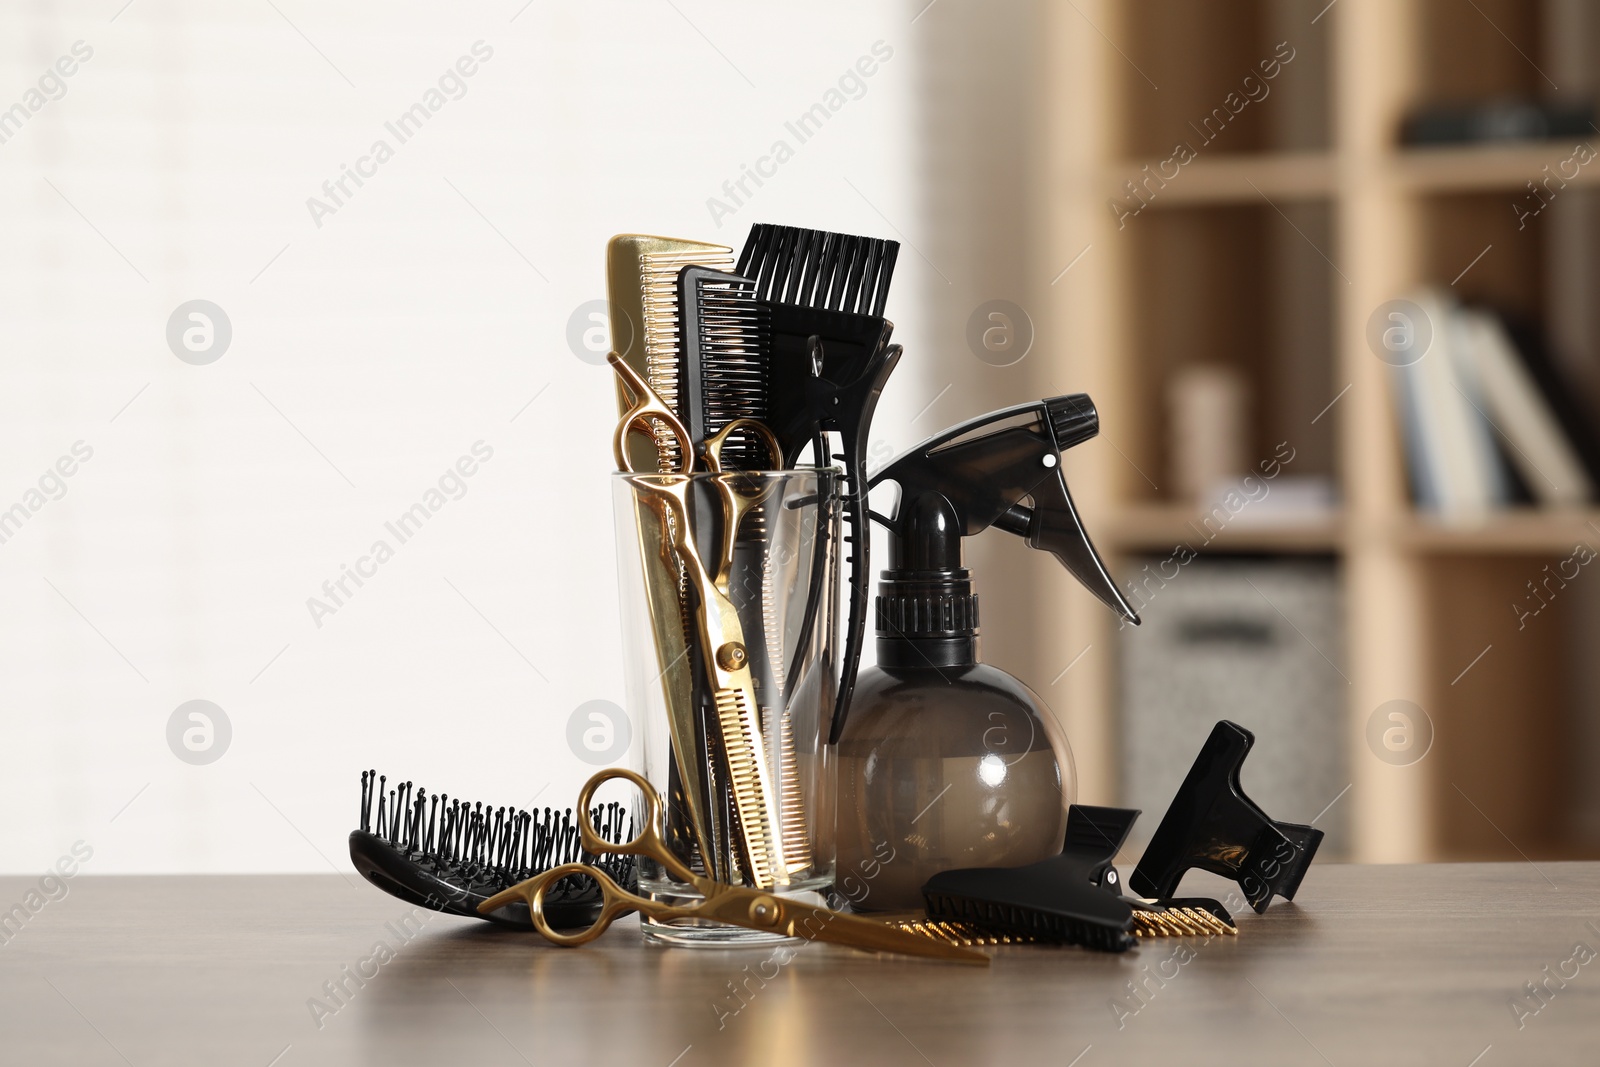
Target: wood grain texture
1373	965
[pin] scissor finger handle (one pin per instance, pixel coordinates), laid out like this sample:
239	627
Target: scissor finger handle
647	412
646	843
615	903
712	448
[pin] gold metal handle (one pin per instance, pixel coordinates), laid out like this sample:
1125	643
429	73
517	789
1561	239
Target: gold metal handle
712	448
617	902
647	406
647	842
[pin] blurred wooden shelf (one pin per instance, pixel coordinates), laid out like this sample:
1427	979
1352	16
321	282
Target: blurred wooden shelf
1257	177
1153	527
1525	531
1481	168
1341	219
1230	179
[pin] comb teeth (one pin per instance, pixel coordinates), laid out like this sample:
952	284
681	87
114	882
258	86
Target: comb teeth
965	935
658	291
819	269
1175	922
1029	923
747	780
1179	922
796	834
725	358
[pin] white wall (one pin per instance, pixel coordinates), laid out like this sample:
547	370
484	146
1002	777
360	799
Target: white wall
368	353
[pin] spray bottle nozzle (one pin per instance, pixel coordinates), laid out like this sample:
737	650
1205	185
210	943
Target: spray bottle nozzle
1073	419
1001	469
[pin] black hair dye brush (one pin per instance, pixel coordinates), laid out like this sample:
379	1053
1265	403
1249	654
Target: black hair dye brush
451	855
830	358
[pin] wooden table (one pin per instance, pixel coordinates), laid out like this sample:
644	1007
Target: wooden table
1402	965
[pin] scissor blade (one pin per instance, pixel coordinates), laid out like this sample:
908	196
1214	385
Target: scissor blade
667	626
838	928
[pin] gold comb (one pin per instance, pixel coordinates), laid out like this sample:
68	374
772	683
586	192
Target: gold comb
966	935
795	827
796	831
1173	922
1179	922
642	290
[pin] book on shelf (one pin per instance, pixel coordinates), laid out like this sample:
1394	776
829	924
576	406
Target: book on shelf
1539	449
1501	120
1456	472
1480	420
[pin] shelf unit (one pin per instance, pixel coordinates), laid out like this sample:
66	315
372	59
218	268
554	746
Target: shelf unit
1270	250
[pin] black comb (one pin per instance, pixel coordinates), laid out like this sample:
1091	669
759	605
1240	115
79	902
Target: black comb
831	358
450	856
723	358
1212	825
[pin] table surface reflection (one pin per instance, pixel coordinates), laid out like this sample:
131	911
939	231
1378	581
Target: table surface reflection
1400	964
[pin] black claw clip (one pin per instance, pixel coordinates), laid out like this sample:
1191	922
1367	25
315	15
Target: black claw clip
1072	898
1212	825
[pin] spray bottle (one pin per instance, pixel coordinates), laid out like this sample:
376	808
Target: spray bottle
945	761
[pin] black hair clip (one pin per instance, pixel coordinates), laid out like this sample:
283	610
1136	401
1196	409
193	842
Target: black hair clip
1071	898
1212	825
1074	898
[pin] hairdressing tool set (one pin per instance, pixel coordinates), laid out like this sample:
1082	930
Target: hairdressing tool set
730	376
771	361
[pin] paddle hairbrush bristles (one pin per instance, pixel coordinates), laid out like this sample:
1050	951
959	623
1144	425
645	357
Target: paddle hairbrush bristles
818	269
450	855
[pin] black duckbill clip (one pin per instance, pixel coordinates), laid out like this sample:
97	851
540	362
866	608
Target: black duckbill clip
1212	825
1071	899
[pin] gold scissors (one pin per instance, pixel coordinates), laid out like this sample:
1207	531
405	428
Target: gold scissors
647	408
715	616
754	909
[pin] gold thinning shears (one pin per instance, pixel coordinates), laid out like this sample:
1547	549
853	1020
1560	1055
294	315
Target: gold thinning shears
754	909
715	617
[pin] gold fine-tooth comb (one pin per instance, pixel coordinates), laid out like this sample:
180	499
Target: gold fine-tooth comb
642	290
1193	920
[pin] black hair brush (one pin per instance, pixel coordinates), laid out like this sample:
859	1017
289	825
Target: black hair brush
451	855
